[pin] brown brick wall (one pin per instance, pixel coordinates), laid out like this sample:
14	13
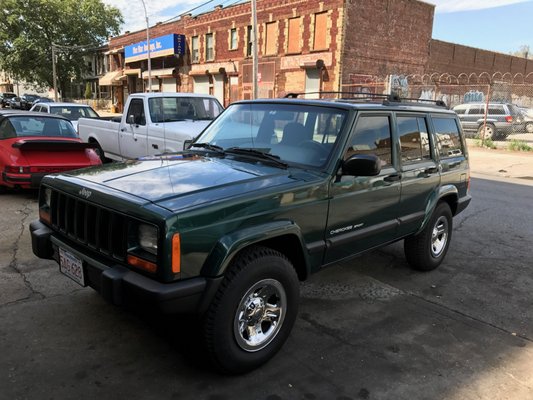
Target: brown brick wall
387	37
456	59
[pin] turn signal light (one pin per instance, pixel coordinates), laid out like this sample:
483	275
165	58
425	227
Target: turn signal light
10	169
176	253
142	264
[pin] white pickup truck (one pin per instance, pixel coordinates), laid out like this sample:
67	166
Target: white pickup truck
154	123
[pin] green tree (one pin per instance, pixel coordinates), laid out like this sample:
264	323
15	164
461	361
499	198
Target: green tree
88	91
29	27
523	51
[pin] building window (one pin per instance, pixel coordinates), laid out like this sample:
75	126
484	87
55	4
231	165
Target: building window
319	42
233	39
271	39
195	54
294	36
249	41
209	49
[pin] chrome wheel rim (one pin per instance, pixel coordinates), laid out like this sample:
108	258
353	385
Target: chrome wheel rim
487	132
439	236
260	315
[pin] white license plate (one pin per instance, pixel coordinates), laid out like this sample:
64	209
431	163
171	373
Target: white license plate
71	266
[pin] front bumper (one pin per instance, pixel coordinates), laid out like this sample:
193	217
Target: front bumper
122	286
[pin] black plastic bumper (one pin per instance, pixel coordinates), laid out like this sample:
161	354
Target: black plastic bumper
122	286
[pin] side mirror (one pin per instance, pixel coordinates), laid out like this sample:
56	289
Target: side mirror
131	120
362	165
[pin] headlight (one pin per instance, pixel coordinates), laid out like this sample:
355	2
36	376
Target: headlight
47	197
148	238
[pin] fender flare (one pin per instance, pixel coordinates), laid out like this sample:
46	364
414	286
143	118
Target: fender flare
228	246
447	192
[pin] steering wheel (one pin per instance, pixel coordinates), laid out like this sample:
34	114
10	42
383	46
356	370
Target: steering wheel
315	146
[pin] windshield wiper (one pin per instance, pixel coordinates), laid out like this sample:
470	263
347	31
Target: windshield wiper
245	151
208	146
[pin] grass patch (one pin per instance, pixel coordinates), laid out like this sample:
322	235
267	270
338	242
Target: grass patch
518	145
488	143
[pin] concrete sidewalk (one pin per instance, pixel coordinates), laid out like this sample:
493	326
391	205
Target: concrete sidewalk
501	164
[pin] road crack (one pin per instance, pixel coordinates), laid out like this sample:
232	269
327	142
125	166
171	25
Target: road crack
14	263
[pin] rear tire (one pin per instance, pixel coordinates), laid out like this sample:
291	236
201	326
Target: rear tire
426	250
253	312
98	150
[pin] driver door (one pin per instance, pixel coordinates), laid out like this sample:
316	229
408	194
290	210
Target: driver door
134	131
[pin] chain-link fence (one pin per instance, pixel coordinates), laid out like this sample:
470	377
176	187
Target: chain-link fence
505	101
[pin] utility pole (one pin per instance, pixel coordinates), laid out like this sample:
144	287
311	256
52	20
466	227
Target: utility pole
255	89
54	72
148	44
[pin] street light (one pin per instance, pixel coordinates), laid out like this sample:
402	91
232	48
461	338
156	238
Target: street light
148	44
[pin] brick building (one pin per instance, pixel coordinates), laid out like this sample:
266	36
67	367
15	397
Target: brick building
303	46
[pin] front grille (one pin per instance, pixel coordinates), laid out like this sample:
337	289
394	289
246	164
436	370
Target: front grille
100	229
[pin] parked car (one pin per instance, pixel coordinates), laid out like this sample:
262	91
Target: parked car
5	98
153	123
72	111
33	145
270	192
42	100
527	116
502	120
15	103
26	101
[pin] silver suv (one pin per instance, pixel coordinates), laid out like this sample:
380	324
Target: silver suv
503	119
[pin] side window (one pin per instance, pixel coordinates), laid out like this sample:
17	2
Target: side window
447	136
476	110
137	110
372	135
460	111
414	139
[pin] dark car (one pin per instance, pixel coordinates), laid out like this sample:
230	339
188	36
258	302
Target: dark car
5	98
15	103
42	100
27	100
269	193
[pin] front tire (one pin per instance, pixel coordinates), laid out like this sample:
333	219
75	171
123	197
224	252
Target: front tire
487	132
426	250
529	127
253	312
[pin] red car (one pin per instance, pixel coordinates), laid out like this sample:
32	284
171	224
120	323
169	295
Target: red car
34	144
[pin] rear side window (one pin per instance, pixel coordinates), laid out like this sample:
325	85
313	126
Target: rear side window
414	139
496	110
447	136
460	111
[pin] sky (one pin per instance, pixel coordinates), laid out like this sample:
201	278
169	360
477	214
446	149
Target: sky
497	25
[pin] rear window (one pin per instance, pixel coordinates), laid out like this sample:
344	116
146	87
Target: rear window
170	109
448	139
24	126
73	113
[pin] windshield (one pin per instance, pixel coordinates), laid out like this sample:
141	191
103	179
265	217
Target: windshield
169	109
21	126
73	113
299	134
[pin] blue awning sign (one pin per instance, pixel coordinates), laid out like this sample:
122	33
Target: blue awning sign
159	47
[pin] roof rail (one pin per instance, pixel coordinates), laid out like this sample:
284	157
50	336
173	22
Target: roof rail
388	99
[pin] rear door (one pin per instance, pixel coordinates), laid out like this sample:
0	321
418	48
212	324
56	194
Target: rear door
419	168
133	136
363	210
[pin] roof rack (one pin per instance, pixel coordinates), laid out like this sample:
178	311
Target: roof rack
388	99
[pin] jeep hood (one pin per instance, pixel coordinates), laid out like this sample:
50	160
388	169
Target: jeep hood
180	181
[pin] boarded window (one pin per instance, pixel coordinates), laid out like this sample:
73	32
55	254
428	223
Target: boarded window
294	36
271	39
320	31
249	41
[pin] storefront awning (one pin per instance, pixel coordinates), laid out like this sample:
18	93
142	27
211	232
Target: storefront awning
161	73
133	71
109	79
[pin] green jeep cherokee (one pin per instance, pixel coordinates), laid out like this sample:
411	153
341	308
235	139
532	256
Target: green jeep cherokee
270	192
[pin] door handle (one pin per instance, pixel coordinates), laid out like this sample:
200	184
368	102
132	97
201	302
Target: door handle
431	170
393	178
155	146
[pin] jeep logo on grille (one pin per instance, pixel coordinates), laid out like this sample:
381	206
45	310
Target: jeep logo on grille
85	193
